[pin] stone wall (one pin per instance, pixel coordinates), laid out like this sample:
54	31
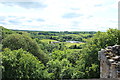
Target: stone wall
110	62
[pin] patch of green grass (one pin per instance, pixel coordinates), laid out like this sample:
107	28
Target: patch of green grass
47	40
71	44
55	36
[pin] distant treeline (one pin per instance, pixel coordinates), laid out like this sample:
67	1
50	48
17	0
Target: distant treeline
60	36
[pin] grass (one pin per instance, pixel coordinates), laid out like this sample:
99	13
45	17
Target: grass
70	44
47	40
67	44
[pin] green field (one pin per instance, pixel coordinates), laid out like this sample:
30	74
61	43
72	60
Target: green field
71	44
47	40
67	44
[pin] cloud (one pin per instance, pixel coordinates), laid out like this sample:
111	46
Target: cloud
12	16
75	23
3	23
61	15
98	5
2	18
20	21
29	20
40	20
71	15
75	8
27	5
15	22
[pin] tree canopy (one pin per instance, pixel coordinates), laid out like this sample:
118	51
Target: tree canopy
19	64
17	41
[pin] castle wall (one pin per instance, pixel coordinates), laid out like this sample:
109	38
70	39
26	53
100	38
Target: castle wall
109	62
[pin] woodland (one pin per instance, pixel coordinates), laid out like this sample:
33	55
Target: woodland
53	55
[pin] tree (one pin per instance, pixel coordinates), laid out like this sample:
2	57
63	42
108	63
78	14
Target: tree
17	41
19	64
89	54
62	69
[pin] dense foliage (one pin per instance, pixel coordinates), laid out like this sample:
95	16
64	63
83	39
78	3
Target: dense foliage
61	60
17	41
19	64
90	50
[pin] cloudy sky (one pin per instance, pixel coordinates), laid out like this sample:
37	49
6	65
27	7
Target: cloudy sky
59	15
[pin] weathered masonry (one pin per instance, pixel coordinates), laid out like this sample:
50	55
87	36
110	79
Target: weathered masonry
110	62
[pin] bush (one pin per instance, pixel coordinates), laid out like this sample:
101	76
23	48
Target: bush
19	64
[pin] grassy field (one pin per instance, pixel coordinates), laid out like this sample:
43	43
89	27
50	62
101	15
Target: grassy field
67	44
47	40
70	44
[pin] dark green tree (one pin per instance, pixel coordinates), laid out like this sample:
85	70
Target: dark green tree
17	41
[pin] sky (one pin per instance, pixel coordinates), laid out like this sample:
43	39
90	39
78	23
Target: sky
59	15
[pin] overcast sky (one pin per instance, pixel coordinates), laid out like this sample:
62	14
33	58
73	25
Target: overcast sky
60	15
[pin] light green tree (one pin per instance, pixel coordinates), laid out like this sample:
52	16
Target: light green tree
19	64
